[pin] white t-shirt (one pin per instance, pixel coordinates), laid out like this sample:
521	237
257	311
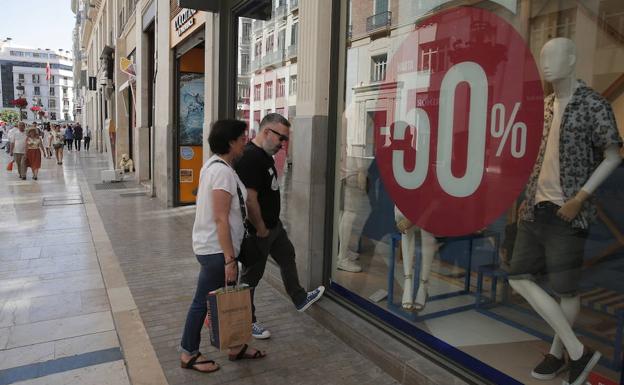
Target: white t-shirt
549	181
217	176
18	138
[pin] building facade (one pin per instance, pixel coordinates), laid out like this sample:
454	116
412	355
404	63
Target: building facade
424	116
23	75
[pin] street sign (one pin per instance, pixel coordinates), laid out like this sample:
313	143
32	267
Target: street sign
464	124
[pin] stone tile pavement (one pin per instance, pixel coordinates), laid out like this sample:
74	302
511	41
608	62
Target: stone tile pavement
53	258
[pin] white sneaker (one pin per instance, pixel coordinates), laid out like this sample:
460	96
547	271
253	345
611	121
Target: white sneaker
352	255
348	265
259	332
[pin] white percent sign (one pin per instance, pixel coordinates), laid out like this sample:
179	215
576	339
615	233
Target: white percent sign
410	116
518	130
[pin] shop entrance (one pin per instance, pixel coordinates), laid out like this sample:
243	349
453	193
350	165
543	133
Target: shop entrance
189	118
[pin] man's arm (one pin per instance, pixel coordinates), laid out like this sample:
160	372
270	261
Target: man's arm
255	215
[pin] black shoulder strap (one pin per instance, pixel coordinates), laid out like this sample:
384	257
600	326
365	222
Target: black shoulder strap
241	199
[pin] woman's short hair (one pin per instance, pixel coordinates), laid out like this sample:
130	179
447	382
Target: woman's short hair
223	132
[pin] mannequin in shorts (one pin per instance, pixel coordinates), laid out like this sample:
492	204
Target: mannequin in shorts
556	215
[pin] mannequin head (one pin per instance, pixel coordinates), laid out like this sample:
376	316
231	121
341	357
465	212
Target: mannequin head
558	59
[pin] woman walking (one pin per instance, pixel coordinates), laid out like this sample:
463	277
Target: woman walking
34	147
47	141
58	142
69	138
217	236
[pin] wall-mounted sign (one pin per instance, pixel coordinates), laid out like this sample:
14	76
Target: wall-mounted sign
184	23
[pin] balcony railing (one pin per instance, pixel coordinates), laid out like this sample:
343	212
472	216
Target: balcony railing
273	58
379	20
280	12
257	26
291	52
255	65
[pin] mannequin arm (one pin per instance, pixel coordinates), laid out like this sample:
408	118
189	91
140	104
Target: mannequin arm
611	161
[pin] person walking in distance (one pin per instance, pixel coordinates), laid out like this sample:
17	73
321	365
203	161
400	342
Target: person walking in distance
87	138
58	142
17	150
77	136
69	137
256	169
34	147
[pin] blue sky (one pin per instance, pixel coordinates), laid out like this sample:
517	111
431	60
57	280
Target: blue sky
37	23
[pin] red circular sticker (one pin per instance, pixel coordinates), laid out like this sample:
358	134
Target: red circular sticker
462	121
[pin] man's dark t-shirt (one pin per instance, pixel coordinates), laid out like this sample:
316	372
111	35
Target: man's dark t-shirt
256	170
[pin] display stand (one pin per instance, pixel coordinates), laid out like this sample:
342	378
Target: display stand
396	237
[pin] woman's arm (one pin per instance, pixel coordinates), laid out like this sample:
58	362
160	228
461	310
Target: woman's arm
221	202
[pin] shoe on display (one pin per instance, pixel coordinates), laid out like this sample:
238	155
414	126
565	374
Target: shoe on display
407	302
549	368
312	297
421	296
259	332
348	265
580	369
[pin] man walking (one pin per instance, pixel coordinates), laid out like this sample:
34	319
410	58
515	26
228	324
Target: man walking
77	136
256	169
87	138
17	143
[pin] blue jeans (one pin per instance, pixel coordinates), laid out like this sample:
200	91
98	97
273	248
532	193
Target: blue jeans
211	277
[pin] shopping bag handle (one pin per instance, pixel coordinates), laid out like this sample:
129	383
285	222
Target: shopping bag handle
237	282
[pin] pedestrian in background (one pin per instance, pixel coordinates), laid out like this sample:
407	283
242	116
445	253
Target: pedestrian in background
34	147
77	136
218	232
47	141
69	137
58	143
17	142
87	138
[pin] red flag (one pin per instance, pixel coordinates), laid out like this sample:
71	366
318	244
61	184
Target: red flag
48	71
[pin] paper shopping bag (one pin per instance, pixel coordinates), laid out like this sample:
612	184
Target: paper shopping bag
229	317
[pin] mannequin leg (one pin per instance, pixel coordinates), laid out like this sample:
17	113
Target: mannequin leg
408	246
571	307
428	248
551	312
344	234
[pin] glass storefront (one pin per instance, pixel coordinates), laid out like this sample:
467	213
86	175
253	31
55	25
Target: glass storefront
448	182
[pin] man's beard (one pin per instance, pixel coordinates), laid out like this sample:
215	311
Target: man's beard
271	150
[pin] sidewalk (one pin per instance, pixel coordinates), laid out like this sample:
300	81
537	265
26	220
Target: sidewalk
153	248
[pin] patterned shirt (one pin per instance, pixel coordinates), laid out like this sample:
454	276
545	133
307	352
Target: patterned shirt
588	127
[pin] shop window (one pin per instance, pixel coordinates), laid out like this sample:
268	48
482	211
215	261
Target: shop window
292	89
268	90
418	243
378	68
281	87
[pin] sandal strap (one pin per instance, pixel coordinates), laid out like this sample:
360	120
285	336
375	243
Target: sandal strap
204	362
190	363
241	354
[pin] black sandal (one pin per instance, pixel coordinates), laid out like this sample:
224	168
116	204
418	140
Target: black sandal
193	361
242	356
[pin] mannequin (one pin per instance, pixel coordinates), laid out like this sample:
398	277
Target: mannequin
408	244
556	216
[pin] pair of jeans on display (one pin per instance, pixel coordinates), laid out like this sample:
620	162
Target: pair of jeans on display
254	254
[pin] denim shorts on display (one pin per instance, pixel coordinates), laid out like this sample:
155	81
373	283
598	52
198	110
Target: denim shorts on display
549	248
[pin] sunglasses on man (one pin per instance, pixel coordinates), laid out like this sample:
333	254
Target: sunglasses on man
282	138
